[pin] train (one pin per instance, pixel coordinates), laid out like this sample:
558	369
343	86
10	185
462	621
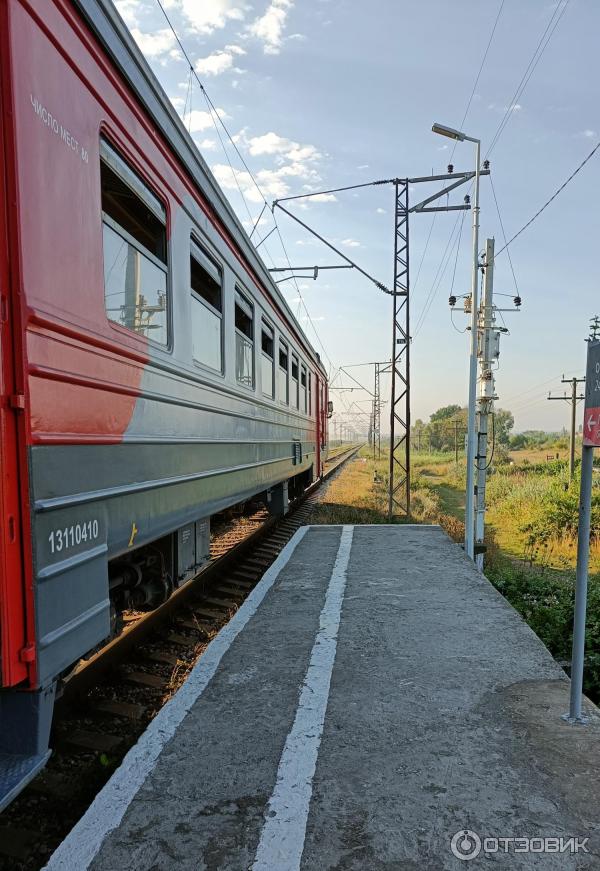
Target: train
151	371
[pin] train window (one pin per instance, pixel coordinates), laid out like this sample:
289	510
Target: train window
207	304
135	250
303	388
310	393
244	340
295	385
268	360
283	391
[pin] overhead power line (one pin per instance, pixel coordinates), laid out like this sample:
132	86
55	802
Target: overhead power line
512	269
482	64
464	117
553	197
215	114
545	38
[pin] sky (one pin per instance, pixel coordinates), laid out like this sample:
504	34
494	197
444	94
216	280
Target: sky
321	94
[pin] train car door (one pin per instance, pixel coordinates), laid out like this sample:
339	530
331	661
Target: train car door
318	470
14	652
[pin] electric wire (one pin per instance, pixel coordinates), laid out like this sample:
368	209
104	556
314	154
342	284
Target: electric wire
547	203
441	271
512	269
558	13
416	281
466	112
214	113
483	60
454	325
537	54
485	468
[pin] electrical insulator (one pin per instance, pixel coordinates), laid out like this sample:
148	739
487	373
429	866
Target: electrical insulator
486	164
517	301
450	168
467	305
452	301
467	199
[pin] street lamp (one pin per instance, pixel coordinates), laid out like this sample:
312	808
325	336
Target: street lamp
457	135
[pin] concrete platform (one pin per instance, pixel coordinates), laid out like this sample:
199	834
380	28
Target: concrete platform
372	699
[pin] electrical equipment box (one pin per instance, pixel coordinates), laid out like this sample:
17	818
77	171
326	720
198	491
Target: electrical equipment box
193	549
489	345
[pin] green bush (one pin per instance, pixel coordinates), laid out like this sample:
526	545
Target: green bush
546	602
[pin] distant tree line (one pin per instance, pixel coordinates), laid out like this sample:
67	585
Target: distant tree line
447	426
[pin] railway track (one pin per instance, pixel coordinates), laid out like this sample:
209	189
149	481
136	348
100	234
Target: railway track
108	701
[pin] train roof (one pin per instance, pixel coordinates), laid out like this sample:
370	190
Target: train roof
105	21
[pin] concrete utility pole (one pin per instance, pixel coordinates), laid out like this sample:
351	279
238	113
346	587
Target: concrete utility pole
573	399
488	351
471	434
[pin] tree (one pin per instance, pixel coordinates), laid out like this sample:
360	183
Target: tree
442	429
503	423
445	413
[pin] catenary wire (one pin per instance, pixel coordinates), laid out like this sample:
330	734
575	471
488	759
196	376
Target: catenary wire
555	18
512	269
477	77
241	157
553	197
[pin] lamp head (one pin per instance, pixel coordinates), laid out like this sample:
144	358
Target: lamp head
450	132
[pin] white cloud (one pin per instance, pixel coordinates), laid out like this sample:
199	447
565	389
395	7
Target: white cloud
350	243
214	64
206	144
323	198
219	61
269	182
269	143
363	166
589	134
198	120
514	107
128	10
381	211
154	44
249	225
290	167
279	146
205	16
270	26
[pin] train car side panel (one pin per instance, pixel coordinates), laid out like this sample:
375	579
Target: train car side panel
12	589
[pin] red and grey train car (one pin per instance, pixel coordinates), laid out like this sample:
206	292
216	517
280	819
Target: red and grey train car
151	373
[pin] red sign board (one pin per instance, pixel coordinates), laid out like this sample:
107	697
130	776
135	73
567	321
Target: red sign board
591	415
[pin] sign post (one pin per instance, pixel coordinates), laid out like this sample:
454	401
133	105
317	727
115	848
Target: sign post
591	439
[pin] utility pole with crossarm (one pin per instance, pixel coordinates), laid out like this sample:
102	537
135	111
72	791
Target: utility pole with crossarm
573	399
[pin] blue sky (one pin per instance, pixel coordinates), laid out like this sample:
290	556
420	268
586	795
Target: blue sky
327	93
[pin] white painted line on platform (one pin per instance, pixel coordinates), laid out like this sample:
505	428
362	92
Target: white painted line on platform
282	838
84	841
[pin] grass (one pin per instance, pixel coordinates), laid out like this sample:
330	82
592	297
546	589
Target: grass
358	494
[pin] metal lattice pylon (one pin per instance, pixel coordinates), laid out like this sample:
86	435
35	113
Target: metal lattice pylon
399	483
